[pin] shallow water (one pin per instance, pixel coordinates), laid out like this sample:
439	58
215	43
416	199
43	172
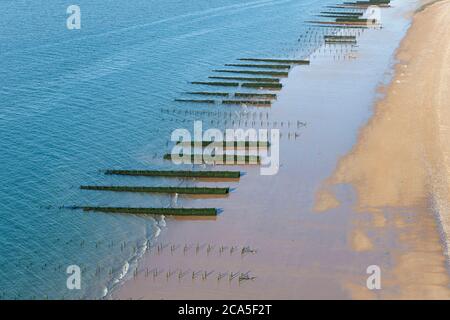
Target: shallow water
75	102
301	253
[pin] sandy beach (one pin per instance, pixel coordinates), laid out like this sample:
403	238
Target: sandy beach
312	230
399	166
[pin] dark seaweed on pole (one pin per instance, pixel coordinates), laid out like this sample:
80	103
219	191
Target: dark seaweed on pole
246	79
206	93
176	174
342	13
218	84
225	159
255	95
254	72
158	211
195	101
263	85
287	61
179	190
261	66
337	39
226	143
343	24
248	102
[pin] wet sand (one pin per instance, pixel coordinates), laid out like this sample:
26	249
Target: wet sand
302	253
399	167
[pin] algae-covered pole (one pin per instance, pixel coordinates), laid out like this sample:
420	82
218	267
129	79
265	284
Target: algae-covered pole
246	144
369	2
179	190
339	37
260	66
176	174
263	85
217	84
353	20
347	24
195	101
287	61
259	79
344	13
159	211
206	93
255	95
248	102
220	159
254	72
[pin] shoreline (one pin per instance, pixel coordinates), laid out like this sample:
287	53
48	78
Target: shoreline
322	257
400	162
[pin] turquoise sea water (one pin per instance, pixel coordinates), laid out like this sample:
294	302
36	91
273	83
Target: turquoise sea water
74	102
